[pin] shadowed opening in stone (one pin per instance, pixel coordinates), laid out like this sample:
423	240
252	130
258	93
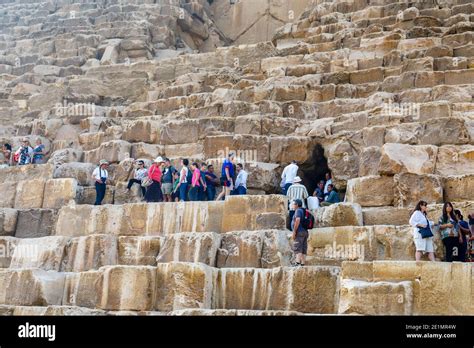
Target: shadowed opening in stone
314	168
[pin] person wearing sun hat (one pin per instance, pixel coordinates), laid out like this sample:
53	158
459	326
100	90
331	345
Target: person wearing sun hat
296	191
100	176
153	192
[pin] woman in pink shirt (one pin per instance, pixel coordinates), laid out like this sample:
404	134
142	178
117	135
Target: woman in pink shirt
195	182
153	192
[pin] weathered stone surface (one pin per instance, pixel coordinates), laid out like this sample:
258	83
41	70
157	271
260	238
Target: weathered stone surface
458	188
8	190
138	250
401	158
184	285
377	298
112	151
190	247
34	223
45	288
59	192
82	172
29	194
116	291
455	160
411	188
90	252
370	191
340	214
8	220
45	253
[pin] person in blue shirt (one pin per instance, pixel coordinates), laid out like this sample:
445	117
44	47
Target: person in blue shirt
39	152
331	197
227	174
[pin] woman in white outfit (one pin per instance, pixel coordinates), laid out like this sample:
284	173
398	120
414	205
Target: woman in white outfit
418	220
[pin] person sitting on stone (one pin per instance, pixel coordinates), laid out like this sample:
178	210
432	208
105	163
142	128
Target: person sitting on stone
100	176
328	182
39	152
139	173
319	191
331	197
24	154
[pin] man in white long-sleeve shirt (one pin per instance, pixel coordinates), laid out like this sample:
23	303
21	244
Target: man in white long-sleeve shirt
240	181
289	174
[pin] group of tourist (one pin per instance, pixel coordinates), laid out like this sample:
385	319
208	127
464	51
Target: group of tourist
291	186
162	182
25	154
456	233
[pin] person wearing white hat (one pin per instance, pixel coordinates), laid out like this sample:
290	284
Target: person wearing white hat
296	191
153	192
24	153
100	176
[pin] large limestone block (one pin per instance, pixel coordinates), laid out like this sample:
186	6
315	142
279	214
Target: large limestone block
45	253
411	188
83	289
27	172
455	160
386	216
340	214
7	248
128	288
8	190
248	212
313	289
184	285
34	223
458	188
190	247
59	192
370	191
260	249
29	194
90	252
402	158
141	130
287	149
44	287
379	298
8	220
82	172
138	250
112	151
231	312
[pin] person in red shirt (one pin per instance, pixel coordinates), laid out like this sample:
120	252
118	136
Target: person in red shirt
153	192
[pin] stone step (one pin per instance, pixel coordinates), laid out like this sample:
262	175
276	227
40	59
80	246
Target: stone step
406	288
146	288
257	249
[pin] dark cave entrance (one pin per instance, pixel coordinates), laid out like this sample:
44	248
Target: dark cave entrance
314	169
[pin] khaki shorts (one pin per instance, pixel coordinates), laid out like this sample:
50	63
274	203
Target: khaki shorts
167	188
424	244
300	244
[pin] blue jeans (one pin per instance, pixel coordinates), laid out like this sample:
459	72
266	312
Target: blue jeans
183	192
100	193
285	189
239	191
211	192
194	193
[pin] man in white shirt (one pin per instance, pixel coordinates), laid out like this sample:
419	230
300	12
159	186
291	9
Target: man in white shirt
288	175
240	181
100	176
328	182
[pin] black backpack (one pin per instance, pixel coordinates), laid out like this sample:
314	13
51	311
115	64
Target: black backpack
308	219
